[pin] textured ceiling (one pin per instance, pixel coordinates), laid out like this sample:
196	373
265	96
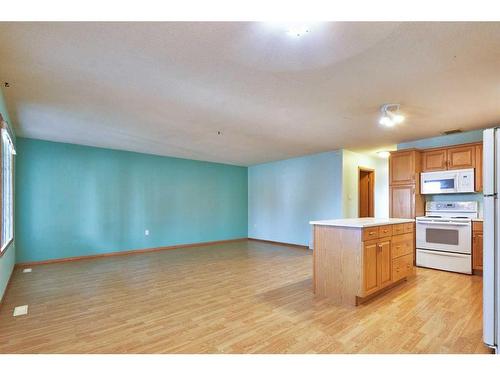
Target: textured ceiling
168	88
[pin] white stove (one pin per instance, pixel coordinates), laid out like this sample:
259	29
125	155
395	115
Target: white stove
444	236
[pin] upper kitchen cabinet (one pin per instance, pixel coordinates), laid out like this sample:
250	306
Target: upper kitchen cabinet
405	200
456	157
441	159
404	167
434	160
461	157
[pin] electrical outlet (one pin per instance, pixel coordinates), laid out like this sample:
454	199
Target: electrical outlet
146	232
20	310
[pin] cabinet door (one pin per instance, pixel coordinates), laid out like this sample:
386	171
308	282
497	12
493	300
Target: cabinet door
461	157
479	168
370	252
384	263
434	160
477	251
402	167
402	201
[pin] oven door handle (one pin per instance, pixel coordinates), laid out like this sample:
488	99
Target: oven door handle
444	223
444	254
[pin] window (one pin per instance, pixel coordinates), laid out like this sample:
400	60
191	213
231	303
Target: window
7	186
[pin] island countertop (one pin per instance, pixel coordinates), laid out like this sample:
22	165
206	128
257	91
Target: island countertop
363	222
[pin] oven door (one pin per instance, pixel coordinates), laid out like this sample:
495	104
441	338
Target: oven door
439	182
443	235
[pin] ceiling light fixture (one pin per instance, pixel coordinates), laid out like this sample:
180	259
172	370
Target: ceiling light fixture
293	29
384	154
390	115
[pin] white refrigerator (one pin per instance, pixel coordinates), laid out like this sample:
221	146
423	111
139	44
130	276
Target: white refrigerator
491	250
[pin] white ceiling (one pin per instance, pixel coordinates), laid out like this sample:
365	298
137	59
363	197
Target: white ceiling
168	88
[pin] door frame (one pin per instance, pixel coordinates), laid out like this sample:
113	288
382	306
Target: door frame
371	208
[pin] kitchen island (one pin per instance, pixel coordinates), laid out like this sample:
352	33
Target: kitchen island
356	259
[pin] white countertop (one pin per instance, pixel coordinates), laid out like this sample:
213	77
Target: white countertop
361	222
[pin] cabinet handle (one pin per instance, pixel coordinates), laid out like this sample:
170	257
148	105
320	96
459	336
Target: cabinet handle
371	233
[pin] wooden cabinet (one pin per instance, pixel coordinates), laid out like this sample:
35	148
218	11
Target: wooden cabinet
477	246
370	233
402	245
402	267
434	160
384	270
441	159
402	201
477	261
405	200
409	227
461	157
370	267
403	167
479	168
377	265
456	157
353	264
388	257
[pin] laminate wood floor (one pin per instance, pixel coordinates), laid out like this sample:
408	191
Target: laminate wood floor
240	297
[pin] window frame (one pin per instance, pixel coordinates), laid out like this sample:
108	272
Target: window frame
4	127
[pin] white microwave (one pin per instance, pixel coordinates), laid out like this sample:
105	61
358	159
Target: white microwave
447	182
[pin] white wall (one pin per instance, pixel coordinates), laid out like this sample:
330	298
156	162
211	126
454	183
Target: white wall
8	258
351	161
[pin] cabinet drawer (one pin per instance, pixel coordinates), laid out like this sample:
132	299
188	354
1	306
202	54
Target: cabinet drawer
398	229
385	231
370	233
402	245
477	226
402	267
409	227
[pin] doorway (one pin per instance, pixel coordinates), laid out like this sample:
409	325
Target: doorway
366	192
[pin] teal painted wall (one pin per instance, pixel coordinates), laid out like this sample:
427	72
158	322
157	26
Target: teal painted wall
8	258
444	140
284	196
449	140
76	200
